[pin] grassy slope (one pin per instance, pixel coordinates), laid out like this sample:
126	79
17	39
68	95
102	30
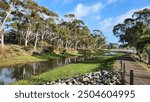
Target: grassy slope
144	65
98	63
15	54
31	58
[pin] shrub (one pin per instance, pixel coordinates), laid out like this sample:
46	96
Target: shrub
43	44
29	47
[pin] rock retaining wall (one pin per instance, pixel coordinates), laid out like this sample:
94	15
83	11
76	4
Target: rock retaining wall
95	78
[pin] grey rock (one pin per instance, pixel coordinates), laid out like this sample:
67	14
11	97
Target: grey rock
95	78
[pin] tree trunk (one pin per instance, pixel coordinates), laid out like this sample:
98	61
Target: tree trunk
26	42
36	40
2	40
148	55
83	47
76	45
35	45
62	44
19	40
149	58
42	40
3	24
140	57
66	45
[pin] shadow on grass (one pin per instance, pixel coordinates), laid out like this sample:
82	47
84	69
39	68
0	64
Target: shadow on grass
53	56
104	62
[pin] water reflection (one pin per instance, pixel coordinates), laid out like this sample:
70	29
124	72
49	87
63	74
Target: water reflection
6	76
11	74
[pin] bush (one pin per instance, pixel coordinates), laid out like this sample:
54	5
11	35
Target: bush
48	49
43	44
29	47
86	52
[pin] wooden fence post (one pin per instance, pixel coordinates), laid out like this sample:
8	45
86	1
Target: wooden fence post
124	70
121	64
131	77
121	77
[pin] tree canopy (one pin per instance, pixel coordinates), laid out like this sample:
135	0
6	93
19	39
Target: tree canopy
26	23
135	31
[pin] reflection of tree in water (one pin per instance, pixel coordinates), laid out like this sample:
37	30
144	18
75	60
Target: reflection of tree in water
20	71
24	71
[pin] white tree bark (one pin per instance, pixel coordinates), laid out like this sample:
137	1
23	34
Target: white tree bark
26	42
28	36
3	24
2	40
36	41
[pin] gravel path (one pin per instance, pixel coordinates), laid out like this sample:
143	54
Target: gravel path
141	75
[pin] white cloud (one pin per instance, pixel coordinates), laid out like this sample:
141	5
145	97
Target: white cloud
97	17
108	23
82	10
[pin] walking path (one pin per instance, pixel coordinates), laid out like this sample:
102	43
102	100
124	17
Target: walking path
141	75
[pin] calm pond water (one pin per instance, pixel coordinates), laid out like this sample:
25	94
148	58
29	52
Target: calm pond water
10	74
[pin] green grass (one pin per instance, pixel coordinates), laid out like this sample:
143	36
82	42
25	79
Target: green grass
95	64
144	65
117	64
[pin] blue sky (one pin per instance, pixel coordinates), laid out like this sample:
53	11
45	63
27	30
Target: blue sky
97	14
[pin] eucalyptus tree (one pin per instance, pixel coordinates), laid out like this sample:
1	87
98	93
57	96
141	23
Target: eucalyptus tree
49	18
37	26
135	32
43	22
65	29
6	8
73	32
84	38
99	39
34	24
23	23
78	27
69	26
143	16
31	21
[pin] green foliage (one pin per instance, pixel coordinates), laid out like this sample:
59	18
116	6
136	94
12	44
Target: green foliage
2	14
37	25
4	5
135	31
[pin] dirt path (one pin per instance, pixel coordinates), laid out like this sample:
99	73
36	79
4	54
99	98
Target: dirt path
141	75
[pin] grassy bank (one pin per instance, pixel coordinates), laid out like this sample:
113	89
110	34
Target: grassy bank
15	54
143	64
95	64
32	58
